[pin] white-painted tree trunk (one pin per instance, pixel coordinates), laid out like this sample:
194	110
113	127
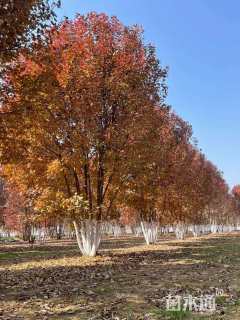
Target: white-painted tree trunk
137	230
107	228
150	231
207	229
220	228
196	230
88	234
117	231
181	231
128	229
164	230
214	228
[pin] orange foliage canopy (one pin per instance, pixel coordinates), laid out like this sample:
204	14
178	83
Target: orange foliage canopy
86	104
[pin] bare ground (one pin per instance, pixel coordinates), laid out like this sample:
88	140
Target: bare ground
128	280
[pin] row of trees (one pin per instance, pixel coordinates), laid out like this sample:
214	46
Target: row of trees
86	136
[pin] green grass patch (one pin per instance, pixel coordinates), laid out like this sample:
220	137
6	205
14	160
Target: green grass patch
221	300
8	239
23	254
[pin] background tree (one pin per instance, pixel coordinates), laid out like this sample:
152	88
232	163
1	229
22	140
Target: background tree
19	214
21	22
2	201
147	191
236	194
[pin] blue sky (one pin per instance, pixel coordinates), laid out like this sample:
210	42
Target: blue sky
200	42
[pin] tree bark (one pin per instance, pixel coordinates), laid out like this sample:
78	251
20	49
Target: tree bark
88	235
150	231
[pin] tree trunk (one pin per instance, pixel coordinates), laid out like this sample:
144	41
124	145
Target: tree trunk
88	234
150	231
196	230
214	228
117	231
181	231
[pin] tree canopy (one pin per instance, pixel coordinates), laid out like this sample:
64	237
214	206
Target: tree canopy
22	22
